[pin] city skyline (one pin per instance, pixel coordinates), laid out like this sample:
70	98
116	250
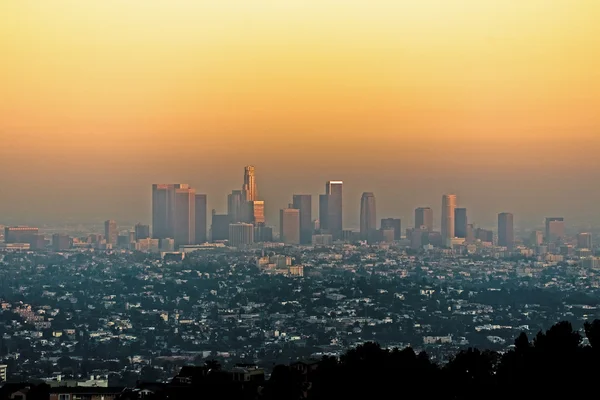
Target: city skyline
494	101
255	213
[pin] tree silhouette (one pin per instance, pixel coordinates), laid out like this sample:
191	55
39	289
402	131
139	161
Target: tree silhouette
592	332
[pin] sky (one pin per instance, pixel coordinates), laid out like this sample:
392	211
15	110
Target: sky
497	101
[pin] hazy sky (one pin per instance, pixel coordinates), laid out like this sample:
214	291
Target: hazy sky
495	100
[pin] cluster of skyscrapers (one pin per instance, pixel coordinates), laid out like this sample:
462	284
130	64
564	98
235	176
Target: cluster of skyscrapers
180	218
180	214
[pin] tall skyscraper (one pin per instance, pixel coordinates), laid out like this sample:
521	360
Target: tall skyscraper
334	219
142	231
584	240
235	207
393	223
163	203
249	188
323	212
506	232
289	225
219	228
460	223
448	206
173	213
200	215
241	235
185	216
555	229
424	217
111	234
368	218
303	202
470	234
256	212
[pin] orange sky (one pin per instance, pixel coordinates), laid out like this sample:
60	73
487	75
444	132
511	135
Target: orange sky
498	100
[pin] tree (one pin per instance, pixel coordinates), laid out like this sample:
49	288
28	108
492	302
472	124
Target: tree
592	332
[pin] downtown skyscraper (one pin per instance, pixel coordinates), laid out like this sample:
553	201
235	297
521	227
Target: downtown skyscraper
448	207
252	210
424	218
249	187
368	218
506	231
303	202
236	207
331	210
555	229
201	210
460	223
173	213
111	233
392	223
289	225
184	230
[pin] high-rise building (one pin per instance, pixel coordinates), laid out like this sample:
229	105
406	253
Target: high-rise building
395	224
484	235
555	229
235	207
424	217
163	203
584	240
142	231
173	213
36	242
536	238
124	241
200	215
111	234
185	216
419	237
323	212
263	233
241	234
303	202
506	232
257	212
334	192
289	225
61	242
460	223
448	206
368	217
470	234
249	189
219	228
19	234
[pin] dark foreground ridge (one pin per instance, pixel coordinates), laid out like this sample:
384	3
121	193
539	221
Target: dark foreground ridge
555	363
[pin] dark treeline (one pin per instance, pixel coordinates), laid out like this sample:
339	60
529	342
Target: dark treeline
553	363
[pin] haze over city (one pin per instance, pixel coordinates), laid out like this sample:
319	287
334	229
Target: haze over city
496	101
299	199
